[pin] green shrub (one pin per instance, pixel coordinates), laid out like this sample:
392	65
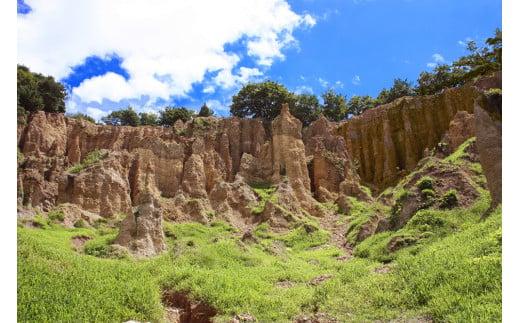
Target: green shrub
56	215
427	193
41	221
92	158
449	199
103	248
265	193
79	223
424	183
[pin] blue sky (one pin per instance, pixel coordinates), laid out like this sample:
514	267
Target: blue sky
147	61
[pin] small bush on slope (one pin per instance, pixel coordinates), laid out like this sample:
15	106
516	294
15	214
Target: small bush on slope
92	158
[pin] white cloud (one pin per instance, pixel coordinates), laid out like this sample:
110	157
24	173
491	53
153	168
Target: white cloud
303	89
338	84
227	80
210	89
464	43
166	45
323	82
356	80
218	107
96	113
437	59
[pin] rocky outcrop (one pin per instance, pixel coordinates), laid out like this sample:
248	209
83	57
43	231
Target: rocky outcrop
488	117
388	141
141	231
461	128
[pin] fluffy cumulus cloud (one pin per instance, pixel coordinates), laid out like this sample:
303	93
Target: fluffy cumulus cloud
166	46
437	59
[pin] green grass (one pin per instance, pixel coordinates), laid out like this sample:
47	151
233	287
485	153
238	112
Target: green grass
360	213
265	193
92	158
451	273
55	284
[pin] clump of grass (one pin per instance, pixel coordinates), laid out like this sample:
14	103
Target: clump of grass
80	223
41	221
102	247
458	157
265	193
425	183
427	193
92	158
449	199
360	213
56	216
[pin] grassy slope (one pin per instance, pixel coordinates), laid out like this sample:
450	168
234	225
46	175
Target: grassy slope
452	278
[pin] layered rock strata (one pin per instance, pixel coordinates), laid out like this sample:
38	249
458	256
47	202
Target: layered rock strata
389	141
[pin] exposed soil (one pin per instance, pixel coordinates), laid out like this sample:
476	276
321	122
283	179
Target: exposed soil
316	318
79	241
180	308
320	279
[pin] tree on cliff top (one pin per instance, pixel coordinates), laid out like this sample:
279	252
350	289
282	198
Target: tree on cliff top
400	88
205	111
334	105
169	115
148	119
306	108
36	92
82	116
125	117
359	104
261	100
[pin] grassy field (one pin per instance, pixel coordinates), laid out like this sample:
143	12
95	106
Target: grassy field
452	275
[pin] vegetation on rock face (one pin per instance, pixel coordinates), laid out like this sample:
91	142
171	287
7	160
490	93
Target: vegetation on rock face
92	158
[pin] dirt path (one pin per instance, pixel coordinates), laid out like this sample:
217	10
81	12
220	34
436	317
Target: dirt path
333	223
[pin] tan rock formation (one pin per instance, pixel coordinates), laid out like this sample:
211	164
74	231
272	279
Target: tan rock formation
388	141
488	117
141	231
288	151
461	128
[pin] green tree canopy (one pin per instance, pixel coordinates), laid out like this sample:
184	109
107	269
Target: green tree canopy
359	104
479	61
148	119
261	100
400	88
82	116
306	108
334	105
205	111
169	115
36	92
125	117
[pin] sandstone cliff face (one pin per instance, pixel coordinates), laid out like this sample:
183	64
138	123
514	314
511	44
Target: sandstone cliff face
205	169
488	116
388	141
